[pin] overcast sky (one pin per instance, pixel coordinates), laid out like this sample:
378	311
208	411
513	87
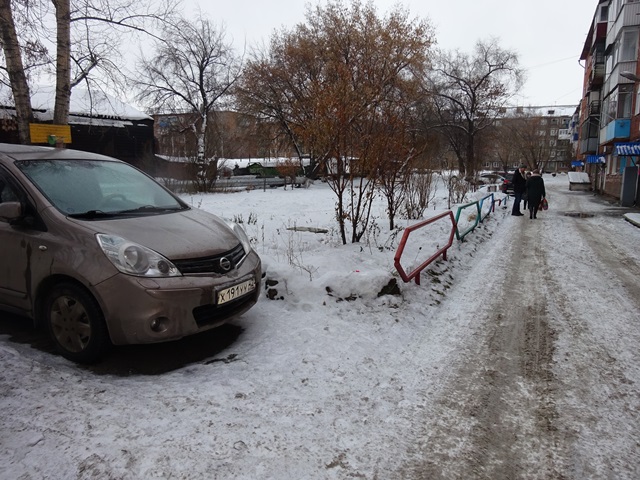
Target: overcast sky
547	34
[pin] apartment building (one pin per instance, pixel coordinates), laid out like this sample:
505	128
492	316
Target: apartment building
609	132
538	136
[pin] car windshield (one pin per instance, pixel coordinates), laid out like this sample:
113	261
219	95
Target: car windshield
98	188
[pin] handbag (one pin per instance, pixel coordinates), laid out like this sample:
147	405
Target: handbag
544	205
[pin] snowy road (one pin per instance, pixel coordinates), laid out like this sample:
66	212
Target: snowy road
517	358
552	366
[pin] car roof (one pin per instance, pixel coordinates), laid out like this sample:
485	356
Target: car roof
36	152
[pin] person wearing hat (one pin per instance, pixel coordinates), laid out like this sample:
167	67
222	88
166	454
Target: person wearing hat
536	192
519	187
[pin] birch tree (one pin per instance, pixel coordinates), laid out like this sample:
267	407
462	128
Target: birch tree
192	71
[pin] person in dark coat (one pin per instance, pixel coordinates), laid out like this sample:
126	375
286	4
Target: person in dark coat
535	192
519	187
524	195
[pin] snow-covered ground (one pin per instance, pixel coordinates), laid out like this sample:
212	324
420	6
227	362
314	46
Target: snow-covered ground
328	379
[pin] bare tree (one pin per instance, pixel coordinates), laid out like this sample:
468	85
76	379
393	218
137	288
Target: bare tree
419	190
330	84
503	149
397	150
101	29
86	39
192	71
530	138
469	92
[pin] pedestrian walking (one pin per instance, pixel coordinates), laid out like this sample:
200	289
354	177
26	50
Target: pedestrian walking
535	192
519	188
524	195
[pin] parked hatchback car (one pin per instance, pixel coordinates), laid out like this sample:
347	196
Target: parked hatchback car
102	254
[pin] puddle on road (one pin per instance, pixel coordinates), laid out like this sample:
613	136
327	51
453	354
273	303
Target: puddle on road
579	214
613	212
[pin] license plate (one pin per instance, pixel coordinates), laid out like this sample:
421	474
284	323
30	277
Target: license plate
236	291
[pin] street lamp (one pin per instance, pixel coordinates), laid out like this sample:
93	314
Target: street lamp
630	76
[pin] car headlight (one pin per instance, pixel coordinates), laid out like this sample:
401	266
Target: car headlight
134	259
242	236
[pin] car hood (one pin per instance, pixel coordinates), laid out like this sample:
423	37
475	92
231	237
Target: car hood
189	233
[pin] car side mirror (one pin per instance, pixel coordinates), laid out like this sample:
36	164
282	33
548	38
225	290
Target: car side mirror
10	211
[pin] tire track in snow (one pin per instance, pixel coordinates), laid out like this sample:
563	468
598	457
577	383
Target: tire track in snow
495	417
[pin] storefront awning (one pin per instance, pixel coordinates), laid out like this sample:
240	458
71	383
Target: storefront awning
596	159
627	148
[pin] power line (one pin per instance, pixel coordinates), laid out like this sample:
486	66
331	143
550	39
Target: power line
553	62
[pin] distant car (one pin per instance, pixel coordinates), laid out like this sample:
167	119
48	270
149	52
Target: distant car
491	178
483	179
507	183
102	254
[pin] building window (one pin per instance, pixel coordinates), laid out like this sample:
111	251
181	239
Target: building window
606	114
625	97
610	59
629	42
637	111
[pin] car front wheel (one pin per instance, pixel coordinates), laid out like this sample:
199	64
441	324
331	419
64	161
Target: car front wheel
76	323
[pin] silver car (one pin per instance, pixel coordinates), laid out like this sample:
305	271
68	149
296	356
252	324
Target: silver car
102	254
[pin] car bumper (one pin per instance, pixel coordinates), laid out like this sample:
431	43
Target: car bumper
149	310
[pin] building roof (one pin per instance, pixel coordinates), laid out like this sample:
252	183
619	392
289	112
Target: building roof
545	110
95	107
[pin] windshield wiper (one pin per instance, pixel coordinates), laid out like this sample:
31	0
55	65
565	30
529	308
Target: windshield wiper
150	209
92	214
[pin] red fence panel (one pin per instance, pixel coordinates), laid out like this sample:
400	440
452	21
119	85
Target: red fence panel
415	273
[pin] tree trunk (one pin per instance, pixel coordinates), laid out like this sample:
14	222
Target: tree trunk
462	169
15	70
63	63
201	134
341	220
471	151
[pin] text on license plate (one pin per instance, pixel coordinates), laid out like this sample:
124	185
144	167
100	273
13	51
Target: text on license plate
236	291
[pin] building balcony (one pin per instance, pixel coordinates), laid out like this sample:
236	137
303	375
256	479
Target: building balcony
617	129
588	145
597	75
596	70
